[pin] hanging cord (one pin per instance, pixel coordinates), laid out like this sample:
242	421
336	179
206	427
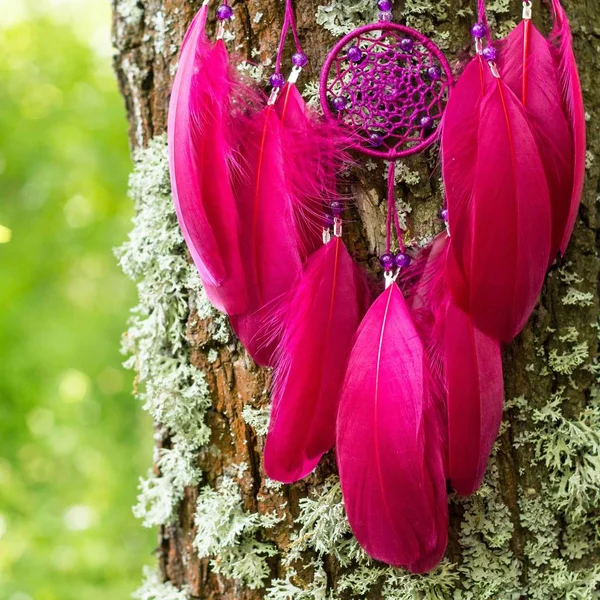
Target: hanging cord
289	22
284	31
482	12
392	213
289	9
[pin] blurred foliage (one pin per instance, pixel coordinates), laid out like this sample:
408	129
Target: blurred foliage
73	439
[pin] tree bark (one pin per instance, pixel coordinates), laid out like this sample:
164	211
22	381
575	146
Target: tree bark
552	365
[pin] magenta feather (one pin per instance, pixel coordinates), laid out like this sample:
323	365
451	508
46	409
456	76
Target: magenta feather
527	64
498	203
314	151
303	146
270	253
562	41
200	155
393	489
318	330
475	393
428	295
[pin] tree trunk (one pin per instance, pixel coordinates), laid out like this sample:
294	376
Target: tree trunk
228	532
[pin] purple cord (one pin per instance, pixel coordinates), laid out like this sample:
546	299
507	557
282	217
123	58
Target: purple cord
482	12
289	21
392	212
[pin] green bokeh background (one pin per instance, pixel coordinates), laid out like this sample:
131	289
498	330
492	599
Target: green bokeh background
73	439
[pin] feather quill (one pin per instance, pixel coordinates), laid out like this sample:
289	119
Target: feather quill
527	64
499	208
562	41
321	321
394	495
200	155
270	254
475	393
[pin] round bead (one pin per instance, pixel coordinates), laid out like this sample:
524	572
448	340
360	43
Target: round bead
385	15
339	103
337	208
444	215
387	261
376	140
434	73
384	5
402	260
224	12
407	44
478	30
426	122
299	59
354	54
489	53
277	80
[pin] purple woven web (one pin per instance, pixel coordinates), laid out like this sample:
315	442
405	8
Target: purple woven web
394	95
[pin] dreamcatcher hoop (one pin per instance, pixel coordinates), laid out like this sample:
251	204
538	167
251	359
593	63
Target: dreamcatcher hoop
390	89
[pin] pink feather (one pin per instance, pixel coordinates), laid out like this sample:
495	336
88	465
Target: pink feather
427	294
270	254
321	321
200	155
313	151
527	64
498	204
389	456
475	393
562	41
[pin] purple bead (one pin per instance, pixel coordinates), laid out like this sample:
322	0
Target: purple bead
339	103
337	208
355	54
277	80
407	44
376	140
444	215
489	53
385	15
299	59
434	73
402	260
328	220
478	30
387	261
384	5
224	12
426	122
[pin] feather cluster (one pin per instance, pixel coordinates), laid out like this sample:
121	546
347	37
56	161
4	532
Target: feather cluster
408	388
513	150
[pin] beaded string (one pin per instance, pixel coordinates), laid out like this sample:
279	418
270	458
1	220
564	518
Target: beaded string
299	59
224	13
401	260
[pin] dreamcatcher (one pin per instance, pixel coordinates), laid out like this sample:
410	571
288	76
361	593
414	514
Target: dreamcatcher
408	386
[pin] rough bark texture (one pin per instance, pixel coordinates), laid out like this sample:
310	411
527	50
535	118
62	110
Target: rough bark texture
147	37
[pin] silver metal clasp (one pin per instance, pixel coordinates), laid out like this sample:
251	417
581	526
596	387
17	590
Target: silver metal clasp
337	227
494	69
527	10
479	46
390	277
326	236
294	75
